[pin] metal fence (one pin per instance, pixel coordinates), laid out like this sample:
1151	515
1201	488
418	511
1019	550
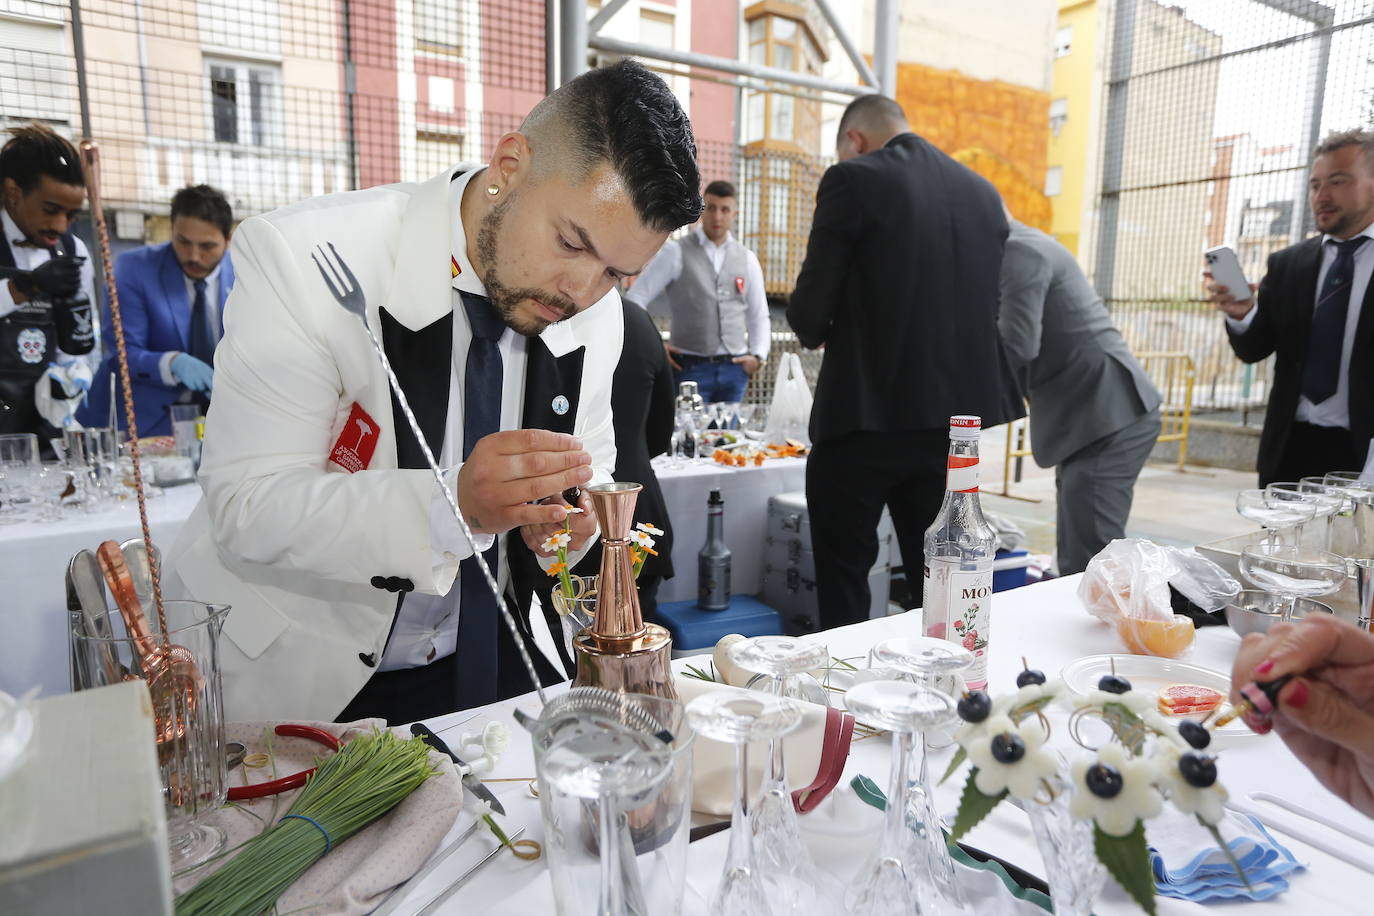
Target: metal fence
1212	109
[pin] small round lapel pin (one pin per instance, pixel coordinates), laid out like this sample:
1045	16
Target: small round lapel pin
560	405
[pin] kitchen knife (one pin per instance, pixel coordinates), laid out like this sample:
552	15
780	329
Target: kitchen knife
470	780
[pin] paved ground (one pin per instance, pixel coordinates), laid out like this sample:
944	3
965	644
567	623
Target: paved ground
1170	507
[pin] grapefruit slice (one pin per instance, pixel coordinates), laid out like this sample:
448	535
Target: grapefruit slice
1188	699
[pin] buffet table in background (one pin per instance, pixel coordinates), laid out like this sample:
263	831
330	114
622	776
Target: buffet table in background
34	555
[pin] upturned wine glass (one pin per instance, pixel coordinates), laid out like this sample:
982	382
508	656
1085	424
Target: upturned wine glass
740	719
1292	571
936	664
889	884
782	856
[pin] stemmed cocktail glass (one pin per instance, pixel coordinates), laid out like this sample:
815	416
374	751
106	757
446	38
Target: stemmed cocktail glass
1292	571
890	883
739	719
781	856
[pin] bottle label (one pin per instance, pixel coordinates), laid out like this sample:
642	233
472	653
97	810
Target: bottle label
962	474
957	606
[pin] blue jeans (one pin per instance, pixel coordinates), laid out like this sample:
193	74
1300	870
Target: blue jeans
723	381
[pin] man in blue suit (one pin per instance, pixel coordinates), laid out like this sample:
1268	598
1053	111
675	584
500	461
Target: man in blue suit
171	298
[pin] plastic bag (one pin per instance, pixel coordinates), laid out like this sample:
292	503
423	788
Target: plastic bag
790	415
1127	586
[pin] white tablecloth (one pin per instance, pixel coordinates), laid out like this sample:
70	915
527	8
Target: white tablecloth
746	492
1045	623
33	567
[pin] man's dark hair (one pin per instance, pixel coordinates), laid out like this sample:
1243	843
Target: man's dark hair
1364	139
719	189
204	203
626	116
34	151
872	113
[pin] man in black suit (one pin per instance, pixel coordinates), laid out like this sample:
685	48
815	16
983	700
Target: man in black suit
1314	310
900	285
642	408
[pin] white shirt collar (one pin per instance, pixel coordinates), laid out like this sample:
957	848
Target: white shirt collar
12	231
700	233
1368	233
466	279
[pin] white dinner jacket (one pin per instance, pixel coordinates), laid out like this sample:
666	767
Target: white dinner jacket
288	538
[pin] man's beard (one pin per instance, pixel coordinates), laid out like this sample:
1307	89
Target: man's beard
505	299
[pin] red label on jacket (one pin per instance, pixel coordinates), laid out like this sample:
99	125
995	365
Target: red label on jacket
739	285
357	441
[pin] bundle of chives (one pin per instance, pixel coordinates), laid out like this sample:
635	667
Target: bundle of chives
348	791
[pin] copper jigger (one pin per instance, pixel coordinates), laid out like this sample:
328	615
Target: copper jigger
619	651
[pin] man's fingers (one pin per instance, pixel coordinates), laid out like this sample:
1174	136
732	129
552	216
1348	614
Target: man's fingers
522	441
528	489
533	514
542	464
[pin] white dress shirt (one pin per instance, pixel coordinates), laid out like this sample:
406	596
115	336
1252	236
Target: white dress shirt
27	258
427	627
164	365
666	267
1335	410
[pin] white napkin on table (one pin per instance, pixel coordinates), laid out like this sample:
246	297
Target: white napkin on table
1188	863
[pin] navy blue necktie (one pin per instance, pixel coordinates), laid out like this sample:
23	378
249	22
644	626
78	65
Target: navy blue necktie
1321	372
477	611
201	342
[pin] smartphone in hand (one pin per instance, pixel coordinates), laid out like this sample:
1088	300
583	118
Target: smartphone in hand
1225	270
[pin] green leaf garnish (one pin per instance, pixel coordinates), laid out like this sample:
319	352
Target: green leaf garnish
960	755
1128	727
694	672
1028	709
1226	850
973	807
1127	859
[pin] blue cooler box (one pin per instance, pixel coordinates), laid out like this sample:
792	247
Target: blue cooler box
694	629
1009	569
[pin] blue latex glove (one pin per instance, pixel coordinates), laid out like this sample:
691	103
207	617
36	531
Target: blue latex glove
193	373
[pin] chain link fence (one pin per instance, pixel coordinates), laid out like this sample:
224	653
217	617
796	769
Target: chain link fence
1212	109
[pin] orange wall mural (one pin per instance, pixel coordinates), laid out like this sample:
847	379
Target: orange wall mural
997	129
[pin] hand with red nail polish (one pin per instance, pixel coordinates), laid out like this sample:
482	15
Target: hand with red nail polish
1325	714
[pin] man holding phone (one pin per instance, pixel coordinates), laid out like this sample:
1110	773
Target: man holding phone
1313	311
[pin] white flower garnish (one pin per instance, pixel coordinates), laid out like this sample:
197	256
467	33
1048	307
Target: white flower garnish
556	541
1207	803
650	529
642	538
1137	798
1021	777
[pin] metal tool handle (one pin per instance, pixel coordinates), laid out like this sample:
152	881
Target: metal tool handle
433	905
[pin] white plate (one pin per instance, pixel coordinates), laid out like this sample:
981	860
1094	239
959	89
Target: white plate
1147	674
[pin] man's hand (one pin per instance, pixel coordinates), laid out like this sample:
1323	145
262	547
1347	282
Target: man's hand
749	362
582	525
56	278
1221	297
195	374
508	471
669	349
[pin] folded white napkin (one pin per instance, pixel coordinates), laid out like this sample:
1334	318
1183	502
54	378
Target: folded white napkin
1188	863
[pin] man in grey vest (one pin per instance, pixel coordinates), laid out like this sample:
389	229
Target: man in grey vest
719	335
1094	413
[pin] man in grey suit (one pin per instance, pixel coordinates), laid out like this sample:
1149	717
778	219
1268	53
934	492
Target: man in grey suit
1094	412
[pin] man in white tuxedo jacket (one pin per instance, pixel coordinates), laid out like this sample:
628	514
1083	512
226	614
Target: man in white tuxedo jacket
353	590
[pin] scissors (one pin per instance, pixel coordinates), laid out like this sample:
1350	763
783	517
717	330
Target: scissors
295	780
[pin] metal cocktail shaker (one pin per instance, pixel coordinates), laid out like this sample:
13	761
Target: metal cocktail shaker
619	651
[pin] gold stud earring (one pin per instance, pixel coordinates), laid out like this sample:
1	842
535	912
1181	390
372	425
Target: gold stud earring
493	190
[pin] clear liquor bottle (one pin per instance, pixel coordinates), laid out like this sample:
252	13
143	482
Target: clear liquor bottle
959	549
688	409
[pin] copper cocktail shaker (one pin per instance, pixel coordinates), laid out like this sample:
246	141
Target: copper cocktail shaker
619	651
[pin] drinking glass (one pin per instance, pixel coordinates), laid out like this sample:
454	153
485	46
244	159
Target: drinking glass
935	664
1357	537
1292	572
1323	507
615	788
890	884
19	463
187	710
1273	513
782	857
740	719
1339	504
755	421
